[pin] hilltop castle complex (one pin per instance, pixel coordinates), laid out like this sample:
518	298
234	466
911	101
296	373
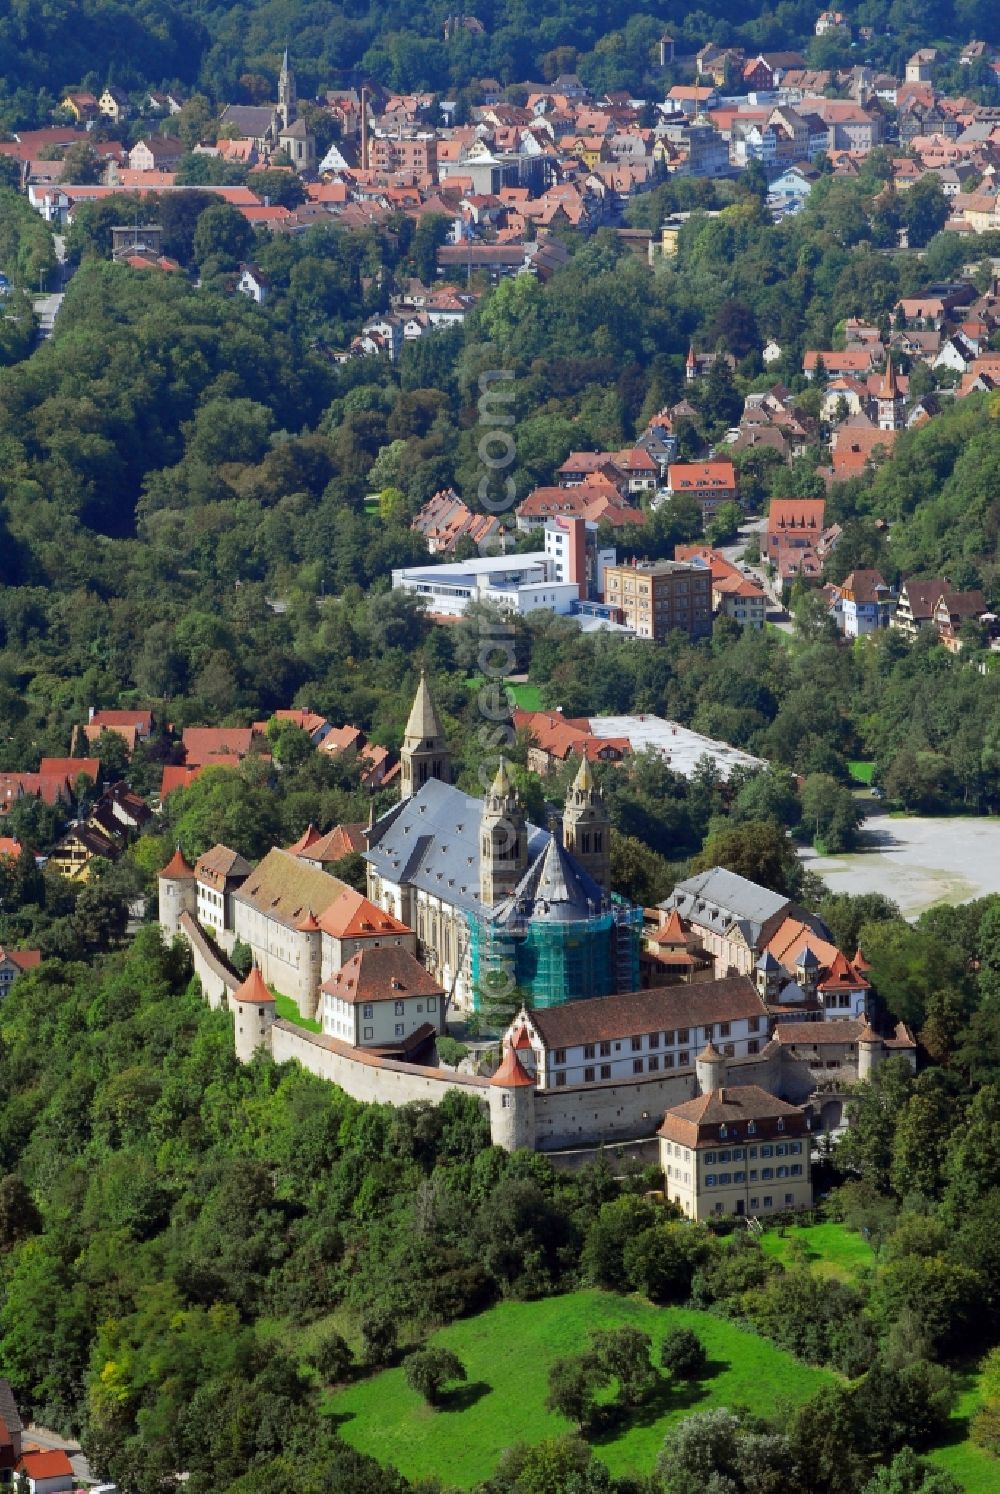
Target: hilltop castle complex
747	1001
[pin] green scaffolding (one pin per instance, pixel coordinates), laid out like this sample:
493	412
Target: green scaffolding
551	961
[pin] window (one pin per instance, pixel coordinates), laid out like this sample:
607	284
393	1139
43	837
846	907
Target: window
767	1174
739	1177
753	1174
752	1130
796	1169
725	1178
682	1034
400	1029
767	1151
588	1050
710	1180
588	1076
369	1032
768	1200
789	1198
795	1147
725	1156
668	1060
654	1039
560	1080
637	1065
683	1059
606	1050
723	1029
654	1064
755	1203
753	1046
605	1071
637	1045
432	1003
729	1050
668	1040
738	1154
369	1012
781	1122
560	1055
710	1158
782	1172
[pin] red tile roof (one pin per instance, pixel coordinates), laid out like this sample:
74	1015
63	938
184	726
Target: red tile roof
382	972
204	743
698	1122
353	916
341	841
253	991
45	1464
512	1074
24	959
71	767
309	837
178	868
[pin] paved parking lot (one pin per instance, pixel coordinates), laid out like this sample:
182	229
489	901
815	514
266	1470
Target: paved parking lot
916	861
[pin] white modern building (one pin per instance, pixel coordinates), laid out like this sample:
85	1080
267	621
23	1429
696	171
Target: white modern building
554	579
514	583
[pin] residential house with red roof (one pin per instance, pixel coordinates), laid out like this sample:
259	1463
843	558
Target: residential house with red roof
735	1150
47	1472
384	1000
555	738
710	484
15	963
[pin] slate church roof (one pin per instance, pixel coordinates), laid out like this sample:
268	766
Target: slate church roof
555	888
431	842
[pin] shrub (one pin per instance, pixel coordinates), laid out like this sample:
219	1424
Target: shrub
429	1371
682	1353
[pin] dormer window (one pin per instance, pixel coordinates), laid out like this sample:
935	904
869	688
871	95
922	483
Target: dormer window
781	1122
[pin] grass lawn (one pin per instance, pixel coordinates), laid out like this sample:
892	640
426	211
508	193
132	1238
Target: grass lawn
830	1249
861	772
507	1353
285	1007
975	1470
525	697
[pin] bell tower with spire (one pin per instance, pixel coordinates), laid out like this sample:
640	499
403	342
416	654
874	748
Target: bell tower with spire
889	399
587	826
424	752
503	847
287	98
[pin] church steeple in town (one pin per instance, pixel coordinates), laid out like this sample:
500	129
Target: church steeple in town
287	98
425	752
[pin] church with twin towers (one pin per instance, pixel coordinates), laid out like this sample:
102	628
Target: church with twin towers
499	904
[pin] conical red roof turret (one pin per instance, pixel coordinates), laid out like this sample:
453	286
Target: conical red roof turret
177	868
253	989
512	1074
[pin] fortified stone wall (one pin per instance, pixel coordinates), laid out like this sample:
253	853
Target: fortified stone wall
218	978
363	1075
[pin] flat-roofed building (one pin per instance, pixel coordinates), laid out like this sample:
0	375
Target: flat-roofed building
658	598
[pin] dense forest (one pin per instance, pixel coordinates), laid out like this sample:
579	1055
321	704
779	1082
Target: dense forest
230	51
